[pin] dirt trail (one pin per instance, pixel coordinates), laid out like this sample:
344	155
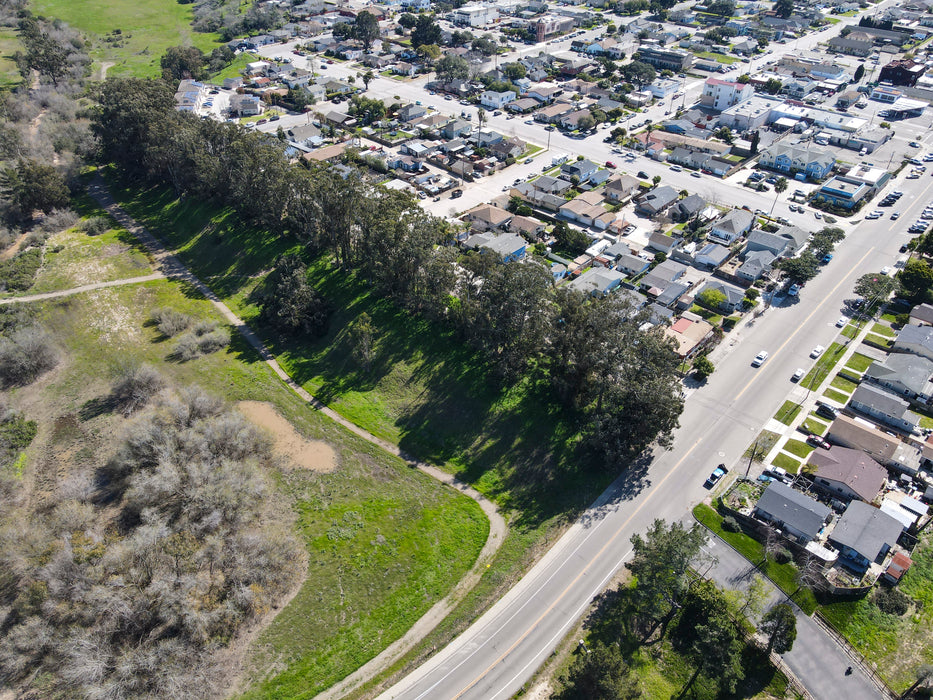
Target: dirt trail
13	248
172	267
84	288
315	455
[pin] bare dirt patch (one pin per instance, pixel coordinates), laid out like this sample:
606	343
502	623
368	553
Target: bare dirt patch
315	455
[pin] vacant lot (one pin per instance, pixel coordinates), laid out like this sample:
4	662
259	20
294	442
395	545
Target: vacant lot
384	541
130	34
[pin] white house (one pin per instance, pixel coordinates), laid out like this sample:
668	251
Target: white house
732	226
496	100
722	94
475	15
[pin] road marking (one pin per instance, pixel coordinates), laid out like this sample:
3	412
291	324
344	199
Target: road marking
805	321
566	590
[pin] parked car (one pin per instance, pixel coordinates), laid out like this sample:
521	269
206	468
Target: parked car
676	168
797	375
841	321
760	358
818	441
794	290
817	351
715	476
827	411
643	174
694	174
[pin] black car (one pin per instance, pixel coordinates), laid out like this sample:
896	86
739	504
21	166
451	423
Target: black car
826	411
902	249
643	174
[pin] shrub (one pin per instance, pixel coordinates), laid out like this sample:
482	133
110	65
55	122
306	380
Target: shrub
135	386
19	272
782	556
25	354
170	322
730	524
891	601
58	220
206	337
95	225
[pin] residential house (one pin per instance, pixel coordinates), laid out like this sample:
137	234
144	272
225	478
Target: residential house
572	119
733	295
522	105
487	216
884	407
903	374
755	264
666	59
584	209
903	72
712	255
847	474
922	315
690	335
619	187
404	68
816	163
732	226
883	447
543	93
406	163
456	129
526	226
688	207
662	275
496	100
553	112
246	105
303	134
864	536
721	94
581	169
916	340
851	47
597	281
631	265
794	513
508	247
663	244
657	200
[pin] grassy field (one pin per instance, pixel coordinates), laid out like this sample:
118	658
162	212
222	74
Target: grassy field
823	366
147	28
843	384
384	541
798	448
787	413
9	44
859	362
896	646
786	462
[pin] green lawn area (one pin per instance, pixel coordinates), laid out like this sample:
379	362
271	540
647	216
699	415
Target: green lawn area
411	538
850	330
859	362
896	646
783	575
236	67
787	413
147	28
879	340
786	462
798	447
766	440
9	44
836	395
925	421
719	57
884	329
823	366
843	384
815	425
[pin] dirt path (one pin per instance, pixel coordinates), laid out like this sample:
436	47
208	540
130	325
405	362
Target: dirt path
104	67
172	267
13	248
84	288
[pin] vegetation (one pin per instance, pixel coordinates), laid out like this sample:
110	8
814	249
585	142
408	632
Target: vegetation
788	412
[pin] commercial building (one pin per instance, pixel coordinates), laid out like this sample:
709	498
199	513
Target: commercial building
666	59
722	94
475	16
902	73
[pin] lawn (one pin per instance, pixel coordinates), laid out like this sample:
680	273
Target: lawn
783	575
236	67
814	425
837	396
786	462
766	440
719	57
850	330
146	29
843	384
859	362
798	447
896	646
411	538
823	366
9	44
881	341
787	413
884	329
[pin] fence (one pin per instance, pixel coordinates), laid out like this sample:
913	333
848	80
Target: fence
856	656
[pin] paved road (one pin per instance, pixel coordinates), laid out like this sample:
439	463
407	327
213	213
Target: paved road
495	656
815	658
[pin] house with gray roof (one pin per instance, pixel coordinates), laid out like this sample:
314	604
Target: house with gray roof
864	536
597	281
922	315
657	200
712	255
688	207
881	446
733	294
795	513
847	474
908	376
662	275
582	169
916	340
759	240
507	246
732	226
631	264
755	264
884	407
619	187
797	236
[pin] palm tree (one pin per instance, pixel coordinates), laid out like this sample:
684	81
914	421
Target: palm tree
779	186
481	117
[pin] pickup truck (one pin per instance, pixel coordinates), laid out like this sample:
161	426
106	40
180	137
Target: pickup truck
717	474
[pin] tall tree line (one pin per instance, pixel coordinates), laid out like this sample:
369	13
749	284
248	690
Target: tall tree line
619	379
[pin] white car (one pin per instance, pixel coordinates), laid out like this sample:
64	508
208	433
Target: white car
760	359
817	351
885	270
797	375
841	321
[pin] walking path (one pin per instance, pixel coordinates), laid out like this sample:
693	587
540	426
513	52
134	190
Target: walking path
83	288
173	268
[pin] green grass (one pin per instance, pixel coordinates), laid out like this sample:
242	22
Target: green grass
843	384
783	575
787	413
884	329
815	425
850	331
371	574
925	421
798	447
148	28
836	396
766	440
786	462
823	366
879	340
859	363
236	67
718	57
9	44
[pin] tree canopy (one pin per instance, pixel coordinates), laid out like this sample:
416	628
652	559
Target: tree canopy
425	31
875	285
780	625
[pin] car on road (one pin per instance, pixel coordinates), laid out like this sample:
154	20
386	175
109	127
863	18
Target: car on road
914	144
760	358
818	215
610	164
797	375
826	258
818	441
895	215
873	215
793	290
715	476
643	174
694	174
886	270
529	121
676	169
827	411
841	321
817	351
456	193
527	161
902	249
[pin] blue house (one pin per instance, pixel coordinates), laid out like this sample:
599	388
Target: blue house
843	192
815	163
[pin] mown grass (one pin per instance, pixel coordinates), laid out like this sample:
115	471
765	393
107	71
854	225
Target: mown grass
783	575
843	384
884	329
798	448
815	425
787	413
879	340
896	646
850	330
147	29
823	366
786	462
837	396
859	363
235	68
384	541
